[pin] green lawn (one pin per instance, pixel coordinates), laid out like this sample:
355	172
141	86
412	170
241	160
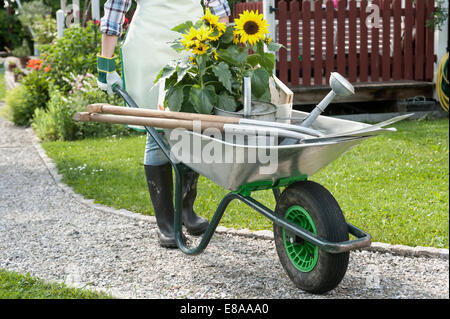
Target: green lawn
394	186
17	286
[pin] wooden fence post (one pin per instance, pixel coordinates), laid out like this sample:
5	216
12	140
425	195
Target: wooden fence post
397	55
282	34
352	60
363	42
386	58
95	10
60	23
294	10
330	48
318	55
306	42
408	39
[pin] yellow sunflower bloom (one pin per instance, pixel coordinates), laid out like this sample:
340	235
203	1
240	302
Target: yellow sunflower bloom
214	24
200	48
251	27
210	18
195	36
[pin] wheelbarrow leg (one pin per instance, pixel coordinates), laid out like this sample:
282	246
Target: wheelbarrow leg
178	222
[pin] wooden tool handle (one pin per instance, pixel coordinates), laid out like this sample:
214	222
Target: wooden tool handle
147	121
120	110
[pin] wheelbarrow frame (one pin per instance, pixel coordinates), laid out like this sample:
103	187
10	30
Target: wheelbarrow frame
363	239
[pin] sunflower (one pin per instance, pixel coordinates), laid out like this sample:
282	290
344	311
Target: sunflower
195	36
251	27
214	24
200	48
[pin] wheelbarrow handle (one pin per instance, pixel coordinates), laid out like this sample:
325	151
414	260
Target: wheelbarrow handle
150	130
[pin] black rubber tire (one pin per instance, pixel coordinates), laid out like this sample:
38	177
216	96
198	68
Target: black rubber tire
330	224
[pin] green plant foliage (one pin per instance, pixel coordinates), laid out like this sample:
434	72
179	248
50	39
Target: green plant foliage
76	52
438	16
33	11
45	31
56	122
212	74
22	51
26	98
11	31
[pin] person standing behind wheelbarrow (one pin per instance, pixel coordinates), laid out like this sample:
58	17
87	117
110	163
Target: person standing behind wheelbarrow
145	51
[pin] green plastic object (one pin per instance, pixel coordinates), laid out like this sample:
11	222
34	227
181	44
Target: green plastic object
247	189
303	255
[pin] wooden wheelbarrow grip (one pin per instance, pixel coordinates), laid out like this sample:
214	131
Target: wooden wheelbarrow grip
120	110
147	121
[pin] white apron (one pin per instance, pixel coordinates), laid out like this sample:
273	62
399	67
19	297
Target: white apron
146	49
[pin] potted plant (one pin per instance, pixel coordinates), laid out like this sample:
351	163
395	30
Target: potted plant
219	56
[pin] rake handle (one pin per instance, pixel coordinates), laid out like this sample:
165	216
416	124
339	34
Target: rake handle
120	110
147	121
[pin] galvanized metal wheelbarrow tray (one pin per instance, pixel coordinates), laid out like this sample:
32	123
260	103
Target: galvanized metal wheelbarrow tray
295	164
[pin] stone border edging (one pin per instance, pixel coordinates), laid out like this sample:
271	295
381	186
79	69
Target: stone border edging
400	250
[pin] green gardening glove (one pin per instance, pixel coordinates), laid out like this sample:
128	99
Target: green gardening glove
107	75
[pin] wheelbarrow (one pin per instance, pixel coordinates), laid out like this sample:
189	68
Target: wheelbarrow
310	232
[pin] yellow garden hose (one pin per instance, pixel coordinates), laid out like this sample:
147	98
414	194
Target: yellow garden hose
442	83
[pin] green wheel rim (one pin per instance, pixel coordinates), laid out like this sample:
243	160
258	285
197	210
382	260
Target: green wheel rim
303	255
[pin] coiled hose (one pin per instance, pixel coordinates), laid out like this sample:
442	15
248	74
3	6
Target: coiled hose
442	83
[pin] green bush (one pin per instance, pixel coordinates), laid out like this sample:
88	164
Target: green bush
56	122
16	100
45	31
32	11
12	33
26	98
76	52
22	51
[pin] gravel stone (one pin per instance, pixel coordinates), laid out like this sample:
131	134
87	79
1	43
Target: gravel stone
53	235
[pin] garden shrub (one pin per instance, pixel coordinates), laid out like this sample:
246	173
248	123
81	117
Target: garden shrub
76	52
26	98
44	31
16	101
56	122
12	33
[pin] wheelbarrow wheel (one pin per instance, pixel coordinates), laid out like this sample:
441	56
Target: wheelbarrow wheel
313	208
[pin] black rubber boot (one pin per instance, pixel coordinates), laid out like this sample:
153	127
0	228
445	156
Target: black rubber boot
195	224
160	187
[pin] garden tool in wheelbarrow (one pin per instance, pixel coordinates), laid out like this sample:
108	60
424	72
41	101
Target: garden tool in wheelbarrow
311	234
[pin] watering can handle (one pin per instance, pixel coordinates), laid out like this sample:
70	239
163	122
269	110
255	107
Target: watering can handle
247	97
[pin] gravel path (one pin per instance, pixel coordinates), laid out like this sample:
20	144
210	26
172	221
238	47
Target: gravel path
49	233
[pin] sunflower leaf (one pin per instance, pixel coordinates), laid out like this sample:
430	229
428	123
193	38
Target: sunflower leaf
227	37
274	47
174	98
204	99
167	71
226	102
268	62
223	74
183	27
182	69
233	55
260	83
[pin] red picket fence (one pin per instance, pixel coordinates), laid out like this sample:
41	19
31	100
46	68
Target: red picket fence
320	39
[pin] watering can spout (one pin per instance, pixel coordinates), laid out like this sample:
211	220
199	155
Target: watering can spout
339	86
